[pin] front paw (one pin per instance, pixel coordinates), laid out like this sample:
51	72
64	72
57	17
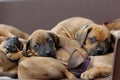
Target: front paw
88	75
11	57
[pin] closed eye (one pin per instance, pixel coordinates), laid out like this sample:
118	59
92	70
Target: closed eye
107	42
92	40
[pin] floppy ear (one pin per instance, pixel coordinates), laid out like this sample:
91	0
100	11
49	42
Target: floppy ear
25	49
56	39
75	60
81	35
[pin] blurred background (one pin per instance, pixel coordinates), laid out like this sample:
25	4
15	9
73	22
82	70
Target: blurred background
29	15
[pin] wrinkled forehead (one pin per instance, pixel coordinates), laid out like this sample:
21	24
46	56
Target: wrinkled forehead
100	32
39	36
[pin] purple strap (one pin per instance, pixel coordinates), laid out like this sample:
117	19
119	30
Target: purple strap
85	65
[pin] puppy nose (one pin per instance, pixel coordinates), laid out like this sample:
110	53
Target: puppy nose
47	52
100	50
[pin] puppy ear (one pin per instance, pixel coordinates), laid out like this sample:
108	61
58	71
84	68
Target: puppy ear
25	49
75	60
81	35
56	39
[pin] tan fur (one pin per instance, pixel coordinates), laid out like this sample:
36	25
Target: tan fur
8	61
44	68
69	48
70	26
10	31
7	68
100	66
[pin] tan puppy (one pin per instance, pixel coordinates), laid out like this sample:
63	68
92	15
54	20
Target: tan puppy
97	40
10	53
47	44
69	27
96	37
10	31
45	68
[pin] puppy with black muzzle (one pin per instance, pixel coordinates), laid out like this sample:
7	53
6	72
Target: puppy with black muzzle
9	56
78	28
95	39
45	43
99	44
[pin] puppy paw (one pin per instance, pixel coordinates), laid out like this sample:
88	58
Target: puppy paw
88	75
11	57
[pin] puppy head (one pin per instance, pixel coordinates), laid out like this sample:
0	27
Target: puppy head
42	43
13	45
95	39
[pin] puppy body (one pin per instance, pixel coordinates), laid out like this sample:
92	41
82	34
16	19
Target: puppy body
7	68
10	31
95	40
69	27
9	60
47	44
45	68
100	66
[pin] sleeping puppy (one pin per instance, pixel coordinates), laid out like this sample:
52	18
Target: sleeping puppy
45	43
7	31
99	44
13	47
96	37
48	44
10	53
45	68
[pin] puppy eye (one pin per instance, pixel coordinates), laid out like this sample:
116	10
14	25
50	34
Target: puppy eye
92	40
50	41
107	42
36	47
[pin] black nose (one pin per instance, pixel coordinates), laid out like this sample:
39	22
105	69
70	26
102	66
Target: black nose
47	52
100	50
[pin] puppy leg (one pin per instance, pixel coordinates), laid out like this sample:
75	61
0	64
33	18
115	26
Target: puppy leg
14	56
94	72
69	75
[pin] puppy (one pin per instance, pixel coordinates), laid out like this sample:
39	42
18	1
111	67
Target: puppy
45	43
70	26
45	68
10	31
13	47
48	44
10	53
96	38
